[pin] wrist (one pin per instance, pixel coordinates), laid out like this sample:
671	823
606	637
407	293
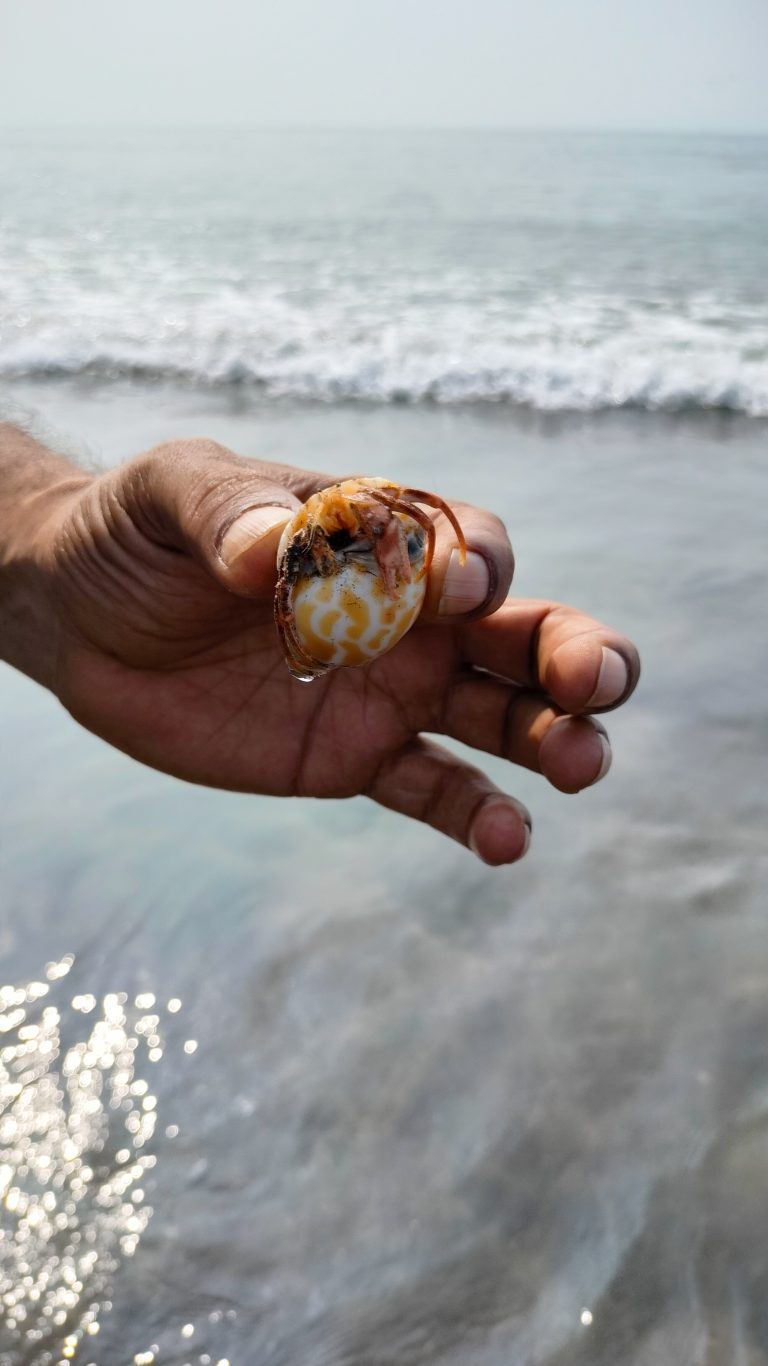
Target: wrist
37	489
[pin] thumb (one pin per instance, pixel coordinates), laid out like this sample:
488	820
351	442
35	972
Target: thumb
248	547
225	511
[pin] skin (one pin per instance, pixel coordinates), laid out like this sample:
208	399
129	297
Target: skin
121	594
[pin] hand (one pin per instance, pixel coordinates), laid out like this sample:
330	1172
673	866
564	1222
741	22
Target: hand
163	573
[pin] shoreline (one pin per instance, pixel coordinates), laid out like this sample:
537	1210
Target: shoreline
51	400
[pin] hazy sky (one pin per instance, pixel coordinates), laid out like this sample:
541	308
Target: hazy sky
431	63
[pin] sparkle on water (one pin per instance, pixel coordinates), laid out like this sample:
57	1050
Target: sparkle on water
76	1127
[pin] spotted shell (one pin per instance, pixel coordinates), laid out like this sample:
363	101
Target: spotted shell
348	619
352	574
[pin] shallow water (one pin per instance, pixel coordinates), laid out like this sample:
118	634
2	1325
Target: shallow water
438	1112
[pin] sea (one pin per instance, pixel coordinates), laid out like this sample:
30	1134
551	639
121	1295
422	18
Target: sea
556	271
294	1083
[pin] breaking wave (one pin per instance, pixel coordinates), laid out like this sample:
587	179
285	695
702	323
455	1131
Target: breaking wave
554	353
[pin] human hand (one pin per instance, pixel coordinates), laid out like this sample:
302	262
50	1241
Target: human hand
162	573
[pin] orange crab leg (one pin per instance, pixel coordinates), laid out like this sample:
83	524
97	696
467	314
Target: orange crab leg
433	500
294	653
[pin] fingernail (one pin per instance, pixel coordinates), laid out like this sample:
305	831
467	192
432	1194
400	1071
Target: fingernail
466	586
607	758
611	680
250	528
526	842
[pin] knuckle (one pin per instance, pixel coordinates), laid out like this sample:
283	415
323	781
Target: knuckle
170	458
440	800
481	521
495	526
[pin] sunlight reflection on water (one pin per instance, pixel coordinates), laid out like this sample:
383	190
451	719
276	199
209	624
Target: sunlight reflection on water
77	1119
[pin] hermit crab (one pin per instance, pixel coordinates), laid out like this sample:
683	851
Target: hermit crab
352	573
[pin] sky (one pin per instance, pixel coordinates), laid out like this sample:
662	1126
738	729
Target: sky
655	64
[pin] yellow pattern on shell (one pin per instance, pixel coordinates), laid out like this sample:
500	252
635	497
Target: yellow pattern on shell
346	620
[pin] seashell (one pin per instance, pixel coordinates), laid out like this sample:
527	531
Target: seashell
352	573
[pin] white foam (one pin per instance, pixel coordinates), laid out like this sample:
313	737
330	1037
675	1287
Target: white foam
390	343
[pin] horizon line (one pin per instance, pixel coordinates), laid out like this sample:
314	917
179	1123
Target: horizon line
243	126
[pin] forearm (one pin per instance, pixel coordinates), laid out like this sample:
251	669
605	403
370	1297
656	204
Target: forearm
34	486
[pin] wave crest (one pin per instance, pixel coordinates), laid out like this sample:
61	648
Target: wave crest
580	353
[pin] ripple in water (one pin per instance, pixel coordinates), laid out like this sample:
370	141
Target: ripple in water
77	1116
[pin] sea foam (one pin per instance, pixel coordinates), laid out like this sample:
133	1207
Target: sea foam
569	350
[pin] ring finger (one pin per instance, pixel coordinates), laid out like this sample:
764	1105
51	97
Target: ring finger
571	752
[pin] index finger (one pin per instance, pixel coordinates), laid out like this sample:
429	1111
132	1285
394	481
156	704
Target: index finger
457	591
581	664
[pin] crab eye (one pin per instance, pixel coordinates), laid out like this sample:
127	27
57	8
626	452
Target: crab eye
415	542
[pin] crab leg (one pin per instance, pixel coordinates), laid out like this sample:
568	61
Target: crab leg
434	501
397	504
297	657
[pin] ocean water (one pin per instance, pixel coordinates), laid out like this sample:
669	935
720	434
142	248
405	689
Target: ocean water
557	271
300	1084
